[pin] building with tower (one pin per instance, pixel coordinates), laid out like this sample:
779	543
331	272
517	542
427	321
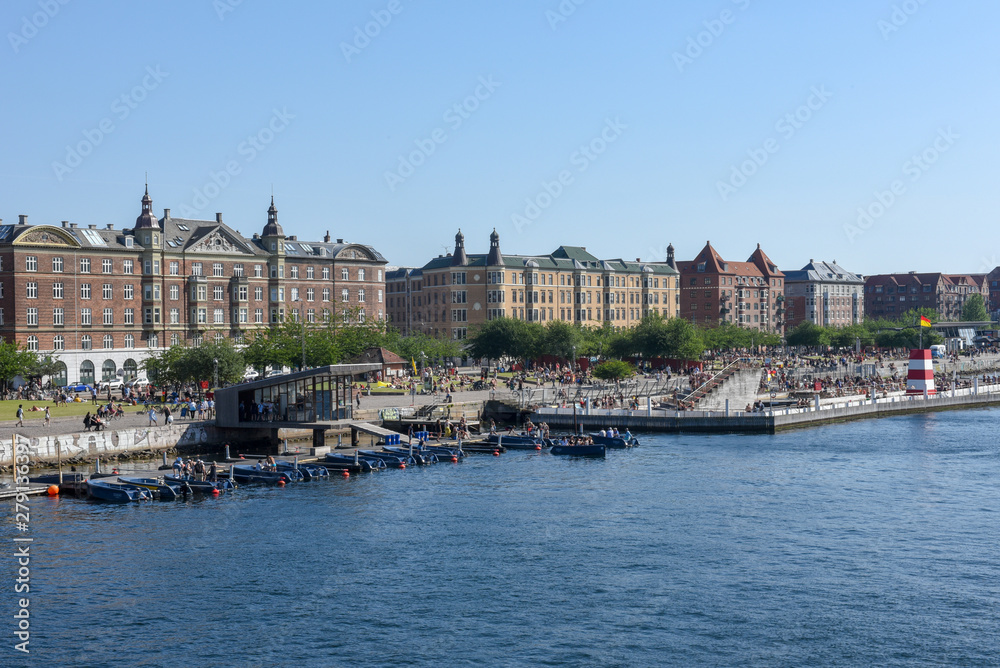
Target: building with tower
454	293
749	294
100	300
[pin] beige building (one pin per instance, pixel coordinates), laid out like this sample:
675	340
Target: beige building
454	293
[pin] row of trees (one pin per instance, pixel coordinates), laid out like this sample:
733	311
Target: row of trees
676	338
16	361
284	346
902	333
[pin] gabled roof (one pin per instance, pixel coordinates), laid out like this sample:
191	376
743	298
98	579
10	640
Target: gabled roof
573	253
381	356
823	272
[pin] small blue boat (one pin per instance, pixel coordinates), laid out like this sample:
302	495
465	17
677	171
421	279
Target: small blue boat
248	474
304	471
517	441
349	463
202	486
594	450
392	460
616	442
443	452
116	492
160	489
420	458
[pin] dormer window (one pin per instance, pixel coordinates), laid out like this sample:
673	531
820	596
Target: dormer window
274	245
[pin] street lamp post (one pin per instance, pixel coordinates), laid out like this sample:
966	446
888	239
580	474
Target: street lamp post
215	373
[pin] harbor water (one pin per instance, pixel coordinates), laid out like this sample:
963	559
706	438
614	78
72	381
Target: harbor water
869	543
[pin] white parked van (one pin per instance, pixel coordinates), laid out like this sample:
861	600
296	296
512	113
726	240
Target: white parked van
938	352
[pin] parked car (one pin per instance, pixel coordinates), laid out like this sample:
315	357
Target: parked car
78	387
139	382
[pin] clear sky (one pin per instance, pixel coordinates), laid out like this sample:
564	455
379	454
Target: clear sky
619	126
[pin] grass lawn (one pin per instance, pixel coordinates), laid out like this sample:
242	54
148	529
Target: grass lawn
8	409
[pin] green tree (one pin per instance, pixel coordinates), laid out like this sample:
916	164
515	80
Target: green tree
178	364
560	339
808	333
506	339
974	309
613	370
684	341
15	361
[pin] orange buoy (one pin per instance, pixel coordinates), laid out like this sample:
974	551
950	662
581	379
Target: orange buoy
496	453
538	447
454	458
53	490
281	483
215	492
242	457
346	473
402	466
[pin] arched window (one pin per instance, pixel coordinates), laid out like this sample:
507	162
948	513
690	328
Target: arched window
59	343
153	341
109	342
130	368
59	377
32	342
87	372
108	370
129	341
87	343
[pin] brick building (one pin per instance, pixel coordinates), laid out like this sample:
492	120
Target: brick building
891	295
749	294
458	291
101	300
825	294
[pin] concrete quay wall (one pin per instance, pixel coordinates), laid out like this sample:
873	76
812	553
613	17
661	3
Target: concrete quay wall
767	422
93	444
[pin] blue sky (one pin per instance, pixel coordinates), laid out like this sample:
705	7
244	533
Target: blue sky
864	132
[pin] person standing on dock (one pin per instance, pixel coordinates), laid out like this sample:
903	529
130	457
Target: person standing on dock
48	418
20	415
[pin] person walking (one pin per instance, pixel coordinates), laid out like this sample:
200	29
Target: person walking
48	418
20	415
152	417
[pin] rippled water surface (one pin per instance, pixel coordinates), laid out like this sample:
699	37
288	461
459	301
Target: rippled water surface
872	543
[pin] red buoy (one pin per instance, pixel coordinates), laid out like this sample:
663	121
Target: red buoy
53	490
281	483
496	453
402	466
538	447
215	492
242	457
454	458
346	473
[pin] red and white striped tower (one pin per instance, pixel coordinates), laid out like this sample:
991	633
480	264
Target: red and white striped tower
920	374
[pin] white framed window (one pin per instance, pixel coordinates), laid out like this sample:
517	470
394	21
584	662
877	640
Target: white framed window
128	291
361	274
129	341
217	269
153	341
237	269
326	273
175	268
326	294
294	269
175	338
258	316
106	291
58	342
106	266
32	316
345	295
361	296
33	342
345	275
309	272
258	270
84	265
202	316
258	293
218	293
57	265
129	316
175	316
85	317
219	316
310	295
128	267
31	290
108	342
31	263
196	268
58	316
86	342
175	292
295	294
379	296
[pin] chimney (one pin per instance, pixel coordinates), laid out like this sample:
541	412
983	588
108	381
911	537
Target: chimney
326	239
65	223
166	213
91	226
638	259
340	241
218	217
72	226
22	219
111	226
